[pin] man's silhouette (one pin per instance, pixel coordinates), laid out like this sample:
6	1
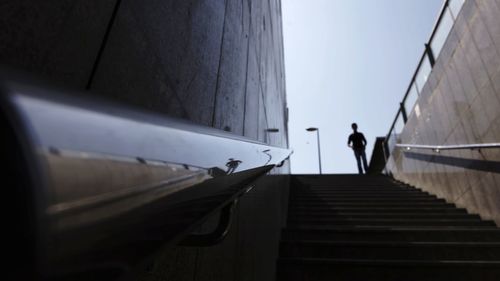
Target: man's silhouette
357	142
232	165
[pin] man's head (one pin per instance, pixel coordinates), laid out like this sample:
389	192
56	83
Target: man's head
354	126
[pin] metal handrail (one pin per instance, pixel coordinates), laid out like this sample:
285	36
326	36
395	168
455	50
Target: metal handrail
442	12
100	177
393	124
424	54
438	148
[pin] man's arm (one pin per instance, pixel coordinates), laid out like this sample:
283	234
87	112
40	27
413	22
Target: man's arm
364	140
349	140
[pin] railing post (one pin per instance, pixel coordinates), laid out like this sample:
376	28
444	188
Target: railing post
385	150
403	112
430	55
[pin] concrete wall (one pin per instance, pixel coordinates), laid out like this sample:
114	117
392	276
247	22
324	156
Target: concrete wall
214	62
460	104
250	250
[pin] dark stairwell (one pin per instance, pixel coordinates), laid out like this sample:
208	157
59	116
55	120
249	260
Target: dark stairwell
350	227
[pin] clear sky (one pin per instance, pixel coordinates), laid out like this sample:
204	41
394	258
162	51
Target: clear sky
348	61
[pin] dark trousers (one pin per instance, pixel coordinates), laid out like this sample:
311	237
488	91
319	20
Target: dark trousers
361	156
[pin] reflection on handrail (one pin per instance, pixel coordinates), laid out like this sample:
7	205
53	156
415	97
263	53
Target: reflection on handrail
438	148
232	164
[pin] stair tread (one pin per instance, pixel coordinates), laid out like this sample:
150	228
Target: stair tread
398	227
379	229
340	214
393	243
403	199
391	219
447	207
411	263
362	195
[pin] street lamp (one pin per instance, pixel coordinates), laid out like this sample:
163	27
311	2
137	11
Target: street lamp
269	130
312	129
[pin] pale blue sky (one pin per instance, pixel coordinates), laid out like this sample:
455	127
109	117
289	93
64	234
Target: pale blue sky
348	61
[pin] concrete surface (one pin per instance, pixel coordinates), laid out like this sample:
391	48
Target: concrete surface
55	39
250	250
214	62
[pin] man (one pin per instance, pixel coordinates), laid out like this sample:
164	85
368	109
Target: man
357	142
232	165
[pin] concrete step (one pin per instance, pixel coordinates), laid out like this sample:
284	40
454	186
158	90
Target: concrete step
355	188
385	204
390	227
397	234
302	269
390	222
363	195
341	178
391	250
344	183
387	209
365	199
375	202
387	215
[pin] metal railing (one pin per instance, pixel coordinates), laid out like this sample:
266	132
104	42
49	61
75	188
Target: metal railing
102	185
438	148
433	47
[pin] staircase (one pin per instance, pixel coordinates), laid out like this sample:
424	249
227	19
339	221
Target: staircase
350	227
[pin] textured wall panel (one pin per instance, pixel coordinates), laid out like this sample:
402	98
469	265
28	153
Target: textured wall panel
461	107
214	62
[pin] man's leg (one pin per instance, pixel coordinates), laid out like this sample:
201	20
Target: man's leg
365	165
358	156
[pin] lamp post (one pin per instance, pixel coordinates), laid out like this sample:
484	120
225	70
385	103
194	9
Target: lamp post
269	130
312	129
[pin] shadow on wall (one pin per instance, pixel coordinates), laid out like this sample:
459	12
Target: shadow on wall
377	161
474	164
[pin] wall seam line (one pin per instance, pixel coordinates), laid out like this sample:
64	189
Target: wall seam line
214	111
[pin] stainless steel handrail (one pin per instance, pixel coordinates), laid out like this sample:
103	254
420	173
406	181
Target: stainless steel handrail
438	148
104	178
